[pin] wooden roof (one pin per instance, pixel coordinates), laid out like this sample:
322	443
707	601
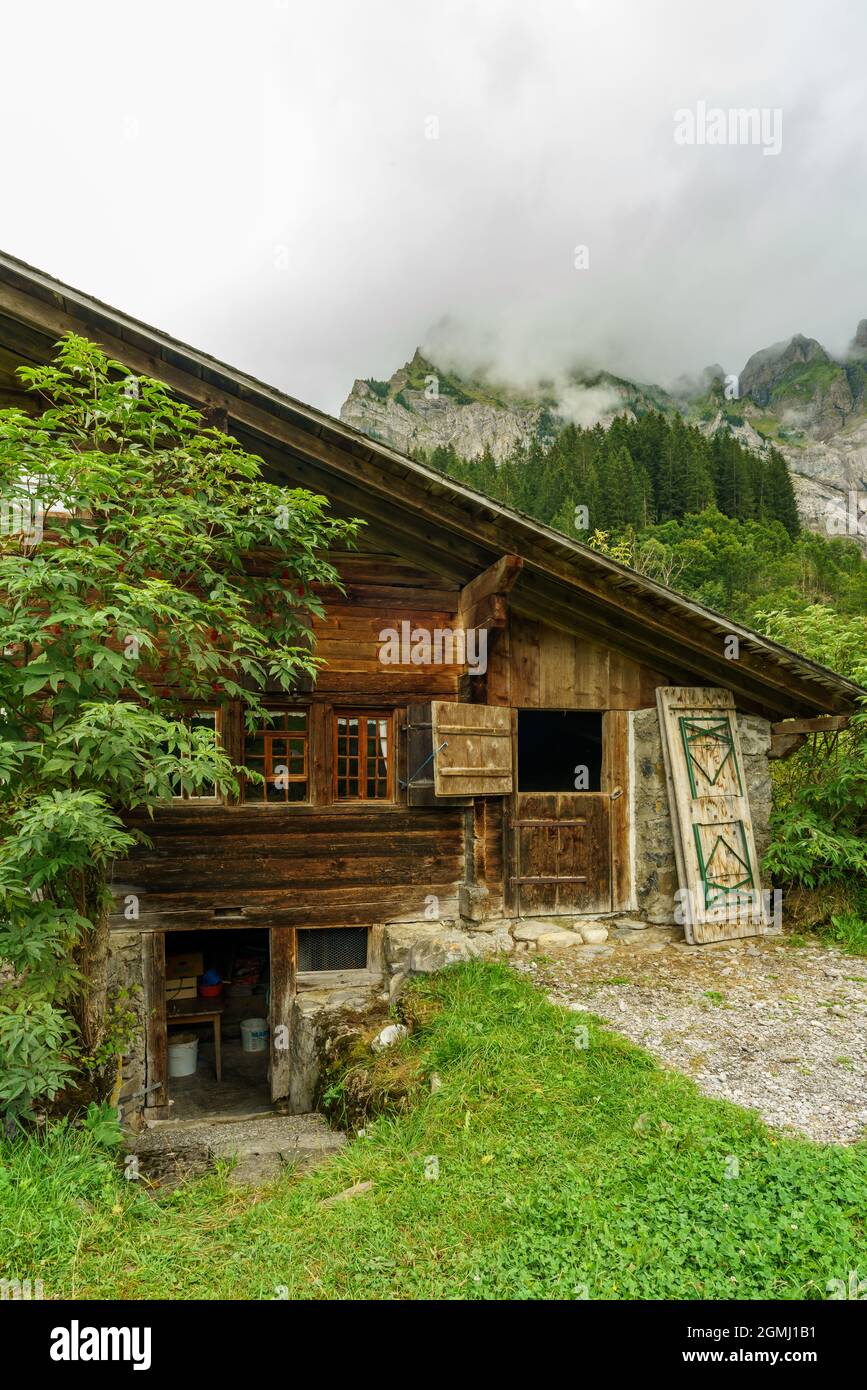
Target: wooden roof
417	512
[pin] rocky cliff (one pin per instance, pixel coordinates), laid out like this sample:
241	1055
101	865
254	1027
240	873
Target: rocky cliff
794	395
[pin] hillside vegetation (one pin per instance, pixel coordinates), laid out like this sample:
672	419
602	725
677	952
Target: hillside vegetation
540	1168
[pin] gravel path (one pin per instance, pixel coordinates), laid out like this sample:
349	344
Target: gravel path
776	1029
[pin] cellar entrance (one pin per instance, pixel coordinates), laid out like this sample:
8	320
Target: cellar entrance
217	995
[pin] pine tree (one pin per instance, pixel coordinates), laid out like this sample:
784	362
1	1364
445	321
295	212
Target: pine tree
779	494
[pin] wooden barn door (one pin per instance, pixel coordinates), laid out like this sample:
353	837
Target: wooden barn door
562	853
710	812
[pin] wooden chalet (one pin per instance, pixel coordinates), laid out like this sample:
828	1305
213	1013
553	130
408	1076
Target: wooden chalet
598	748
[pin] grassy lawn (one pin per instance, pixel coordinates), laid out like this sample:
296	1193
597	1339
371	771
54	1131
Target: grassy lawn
564	1172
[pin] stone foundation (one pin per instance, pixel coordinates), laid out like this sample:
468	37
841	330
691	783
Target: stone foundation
126	973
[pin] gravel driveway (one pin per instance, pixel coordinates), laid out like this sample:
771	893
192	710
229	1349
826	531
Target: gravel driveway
774	1028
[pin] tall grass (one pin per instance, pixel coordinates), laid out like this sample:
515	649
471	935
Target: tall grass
539	1168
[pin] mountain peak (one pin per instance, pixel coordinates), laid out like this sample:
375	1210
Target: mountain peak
859	342
766	369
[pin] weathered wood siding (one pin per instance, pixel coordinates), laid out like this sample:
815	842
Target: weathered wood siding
534	666
327	863
302	867
382	592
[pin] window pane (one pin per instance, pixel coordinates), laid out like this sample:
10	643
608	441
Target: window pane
333	948
280	756
362	757
198	719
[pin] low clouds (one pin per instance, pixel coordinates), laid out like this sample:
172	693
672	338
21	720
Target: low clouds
261	180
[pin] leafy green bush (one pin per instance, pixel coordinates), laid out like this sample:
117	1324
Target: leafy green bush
128	600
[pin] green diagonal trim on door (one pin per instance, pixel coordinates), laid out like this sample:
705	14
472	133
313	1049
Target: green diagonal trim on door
697	727
712	889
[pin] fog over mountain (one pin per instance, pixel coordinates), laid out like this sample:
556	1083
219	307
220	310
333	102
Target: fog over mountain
337	230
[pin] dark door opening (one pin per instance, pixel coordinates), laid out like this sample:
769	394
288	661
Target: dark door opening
204	1018
559	750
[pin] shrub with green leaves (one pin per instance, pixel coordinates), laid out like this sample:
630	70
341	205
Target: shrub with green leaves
146	568
819	822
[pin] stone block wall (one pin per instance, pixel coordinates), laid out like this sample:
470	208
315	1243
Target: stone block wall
126	970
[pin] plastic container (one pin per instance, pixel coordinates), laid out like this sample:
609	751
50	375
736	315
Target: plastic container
254	1034
210	991
183	1054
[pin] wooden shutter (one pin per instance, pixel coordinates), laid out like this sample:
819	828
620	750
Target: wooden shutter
420	790
710	813
472	749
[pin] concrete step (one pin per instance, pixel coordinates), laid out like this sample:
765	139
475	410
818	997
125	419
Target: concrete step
261	1146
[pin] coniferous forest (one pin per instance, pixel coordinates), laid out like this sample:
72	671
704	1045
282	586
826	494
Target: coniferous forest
706	516
634	473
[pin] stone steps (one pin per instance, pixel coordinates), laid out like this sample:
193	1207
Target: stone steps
167	1156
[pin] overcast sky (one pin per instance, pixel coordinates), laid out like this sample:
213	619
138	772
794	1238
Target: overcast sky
259	178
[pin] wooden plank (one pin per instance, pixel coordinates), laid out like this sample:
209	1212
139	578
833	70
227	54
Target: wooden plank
284	970
616	774
490	614
498	578
156	1041
709	801
783	745
421	789
560	659
472	749
525	663
498	675
821	724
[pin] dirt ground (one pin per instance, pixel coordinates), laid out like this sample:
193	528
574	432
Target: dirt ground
777	1029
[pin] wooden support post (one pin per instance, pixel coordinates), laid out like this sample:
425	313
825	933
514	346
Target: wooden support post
483	602
284	969
156	1041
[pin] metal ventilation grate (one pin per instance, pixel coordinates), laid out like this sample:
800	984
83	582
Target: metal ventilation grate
333	948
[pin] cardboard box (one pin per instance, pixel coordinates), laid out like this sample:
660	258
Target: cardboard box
178	967
185	987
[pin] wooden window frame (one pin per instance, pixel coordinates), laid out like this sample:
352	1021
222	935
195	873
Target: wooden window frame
183	798
269	734
355	713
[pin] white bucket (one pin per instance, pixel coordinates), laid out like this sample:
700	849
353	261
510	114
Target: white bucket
183	1055
254	1034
